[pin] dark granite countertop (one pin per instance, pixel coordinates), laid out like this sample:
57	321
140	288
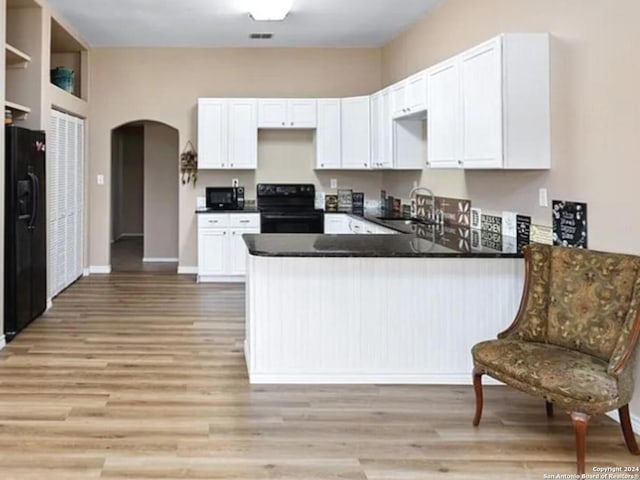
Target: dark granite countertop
246	210
474	245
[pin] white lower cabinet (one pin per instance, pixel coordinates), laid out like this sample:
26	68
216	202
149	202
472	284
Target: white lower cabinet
341	223
222	254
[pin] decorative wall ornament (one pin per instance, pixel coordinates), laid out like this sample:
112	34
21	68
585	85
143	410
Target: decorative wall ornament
189	164
570	224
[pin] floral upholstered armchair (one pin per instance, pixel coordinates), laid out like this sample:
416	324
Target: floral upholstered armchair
573	339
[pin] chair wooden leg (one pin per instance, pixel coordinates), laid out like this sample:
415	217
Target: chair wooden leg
477	387
580	422
549	406
627	430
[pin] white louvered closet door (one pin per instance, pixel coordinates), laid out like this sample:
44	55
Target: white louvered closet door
65	189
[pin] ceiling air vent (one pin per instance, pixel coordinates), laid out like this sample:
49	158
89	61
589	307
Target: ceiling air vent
261	36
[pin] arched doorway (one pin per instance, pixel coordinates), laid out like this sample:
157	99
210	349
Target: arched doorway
144	197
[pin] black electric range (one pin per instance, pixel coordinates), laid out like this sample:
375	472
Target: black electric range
289	208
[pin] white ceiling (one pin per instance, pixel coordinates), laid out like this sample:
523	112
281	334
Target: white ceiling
225	23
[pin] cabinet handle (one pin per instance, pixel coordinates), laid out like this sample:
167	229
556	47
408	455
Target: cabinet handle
233	233
366	165
213	221
283	124
291	123
245	221
322	165
223	164
428	164
224	233
460	162
231	165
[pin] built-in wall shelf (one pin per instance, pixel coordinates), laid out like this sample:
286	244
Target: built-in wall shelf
67	102
20	112
16	58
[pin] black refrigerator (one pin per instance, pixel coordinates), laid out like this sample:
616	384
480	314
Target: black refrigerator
25	248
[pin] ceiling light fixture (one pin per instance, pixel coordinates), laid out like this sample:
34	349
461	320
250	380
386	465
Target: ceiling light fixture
269	10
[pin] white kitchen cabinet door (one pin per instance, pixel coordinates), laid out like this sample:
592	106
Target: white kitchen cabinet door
238	251
481	74
336	224
399	99
416	93
356	131
243	134
444	120
381	130
329	134
272	113
212	251
212	133
302	113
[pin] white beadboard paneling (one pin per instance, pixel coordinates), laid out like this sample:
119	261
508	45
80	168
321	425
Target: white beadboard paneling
375	320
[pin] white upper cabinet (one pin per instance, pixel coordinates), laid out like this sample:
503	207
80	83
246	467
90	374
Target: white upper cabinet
243	134
356	131
287	113
481	76
329	134
381	130
444	133
302	113
503	121
212	133
272	113
409	97
227	133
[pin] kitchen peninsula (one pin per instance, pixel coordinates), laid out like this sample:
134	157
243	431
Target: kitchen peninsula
402	308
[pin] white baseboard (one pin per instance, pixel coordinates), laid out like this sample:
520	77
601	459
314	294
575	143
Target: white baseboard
367	378
2	342
221	278
99	269
85	272
187	270
49	304
635	420
159	260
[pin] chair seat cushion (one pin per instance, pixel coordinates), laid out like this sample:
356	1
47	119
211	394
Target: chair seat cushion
574	379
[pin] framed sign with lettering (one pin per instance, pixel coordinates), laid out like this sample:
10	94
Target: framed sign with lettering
570	224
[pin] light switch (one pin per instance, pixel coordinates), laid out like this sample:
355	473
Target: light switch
543	198
100	179
235	182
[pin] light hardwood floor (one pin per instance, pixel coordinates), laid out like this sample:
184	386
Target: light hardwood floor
143	377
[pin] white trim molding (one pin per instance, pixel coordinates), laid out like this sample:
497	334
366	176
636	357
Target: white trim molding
367	379
187	270
159	260
2	342
99	269
85	272
49	304
635	420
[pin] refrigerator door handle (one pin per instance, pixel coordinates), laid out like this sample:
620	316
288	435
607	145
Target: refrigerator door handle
34	200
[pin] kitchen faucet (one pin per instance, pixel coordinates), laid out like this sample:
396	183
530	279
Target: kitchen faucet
432	213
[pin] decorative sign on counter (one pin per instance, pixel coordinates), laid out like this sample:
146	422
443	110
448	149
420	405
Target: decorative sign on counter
541	234
331	203
454	211
358	203
570	224
509	224
523	231
492	223
476	218
345	200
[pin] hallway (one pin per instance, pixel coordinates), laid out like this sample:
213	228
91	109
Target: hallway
127	254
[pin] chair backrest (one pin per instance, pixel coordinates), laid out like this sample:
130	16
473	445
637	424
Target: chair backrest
579	299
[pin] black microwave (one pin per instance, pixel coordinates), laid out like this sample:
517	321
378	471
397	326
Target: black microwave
224	198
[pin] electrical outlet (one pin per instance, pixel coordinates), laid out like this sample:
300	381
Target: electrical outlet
100	179
334	183
235	182
543	198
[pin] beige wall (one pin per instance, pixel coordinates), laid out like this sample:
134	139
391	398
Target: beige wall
160	191
595	109
164	85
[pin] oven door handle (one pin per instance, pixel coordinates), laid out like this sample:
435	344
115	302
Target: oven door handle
270	216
